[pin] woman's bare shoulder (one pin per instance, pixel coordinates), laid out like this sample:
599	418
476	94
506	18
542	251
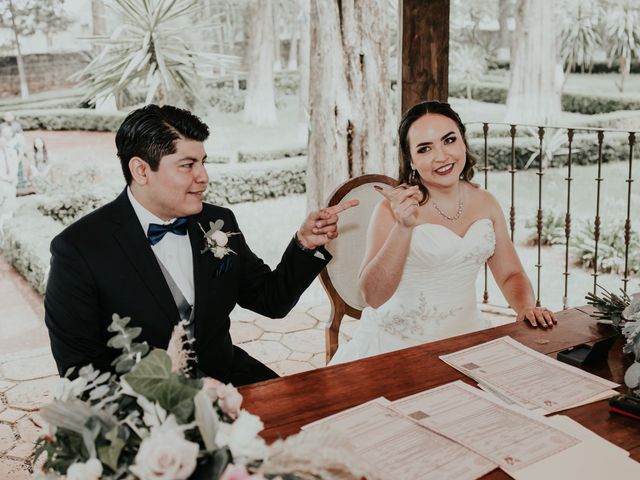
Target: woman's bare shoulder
482	198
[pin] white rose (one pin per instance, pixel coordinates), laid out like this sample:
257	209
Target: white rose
220	238
165	455
92	470
229	397
230	401
219	252
242	438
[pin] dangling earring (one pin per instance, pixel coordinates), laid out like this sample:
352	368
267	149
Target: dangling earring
413	177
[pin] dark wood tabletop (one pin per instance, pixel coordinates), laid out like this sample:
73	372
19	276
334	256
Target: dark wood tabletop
287	403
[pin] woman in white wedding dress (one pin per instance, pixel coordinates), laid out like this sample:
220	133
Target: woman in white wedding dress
428	239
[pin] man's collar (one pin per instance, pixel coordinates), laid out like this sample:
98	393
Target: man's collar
144	216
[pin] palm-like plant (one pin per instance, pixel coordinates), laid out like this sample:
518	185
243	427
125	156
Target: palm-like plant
579	36
150	49
468	64
622	34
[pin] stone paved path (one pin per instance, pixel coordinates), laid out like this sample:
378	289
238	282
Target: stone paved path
28	373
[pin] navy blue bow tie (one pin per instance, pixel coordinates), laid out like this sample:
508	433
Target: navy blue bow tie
156	232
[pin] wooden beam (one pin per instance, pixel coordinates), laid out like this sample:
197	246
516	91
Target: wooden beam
424	37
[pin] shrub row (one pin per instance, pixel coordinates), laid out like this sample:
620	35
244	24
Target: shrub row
584	150
66	209
228	184
250	182
571	102
26	246
70	119
598	67
259	156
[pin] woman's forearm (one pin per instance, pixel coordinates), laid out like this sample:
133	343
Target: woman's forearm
380	277
518	291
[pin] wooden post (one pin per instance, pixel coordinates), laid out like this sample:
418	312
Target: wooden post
424	36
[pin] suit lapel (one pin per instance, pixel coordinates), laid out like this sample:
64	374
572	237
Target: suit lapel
136	247
204	264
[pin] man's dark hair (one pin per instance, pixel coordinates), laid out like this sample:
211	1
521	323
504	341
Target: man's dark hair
150	133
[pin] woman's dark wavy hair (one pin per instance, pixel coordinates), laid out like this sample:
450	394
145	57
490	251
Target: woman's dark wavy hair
409	117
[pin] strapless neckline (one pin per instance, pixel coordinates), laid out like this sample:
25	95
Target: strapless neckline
473	224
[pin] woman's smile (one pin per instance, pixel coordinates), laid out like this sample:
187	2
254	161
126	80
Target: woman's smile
445	169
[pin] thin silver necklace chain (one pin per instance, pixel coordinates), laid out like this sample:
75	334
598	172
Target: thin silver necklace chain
456	216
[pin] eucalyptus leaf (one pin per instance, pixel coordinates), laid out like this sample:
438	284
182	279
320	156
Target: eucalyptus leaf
632	376
217	225
123	364
118	342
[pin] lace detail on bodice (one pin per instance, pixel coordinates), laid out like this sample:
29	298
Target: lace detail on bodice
483	251
411	322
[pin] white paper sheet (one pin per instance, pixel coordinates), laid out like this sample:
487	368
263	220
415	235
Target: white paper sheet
528	378
585	461
507	435
398	448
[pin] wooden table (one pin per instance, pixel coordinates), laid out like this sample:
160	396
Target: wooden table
287	403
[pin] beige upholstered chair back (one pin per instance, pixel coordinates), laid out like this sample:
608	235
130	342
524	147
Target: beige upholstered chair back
340	278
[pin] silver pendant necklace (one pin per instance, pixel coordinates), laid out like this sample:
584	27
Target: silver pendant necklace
456	216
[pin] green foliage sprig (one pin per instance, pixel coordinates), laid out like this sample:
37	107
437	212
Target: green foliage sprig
609	306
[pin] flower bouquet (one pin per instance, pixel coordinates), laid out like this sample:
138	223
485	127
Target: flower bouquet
150	420
623	312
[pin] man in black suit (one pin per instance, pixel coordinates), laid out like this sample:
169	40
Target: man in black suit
144	256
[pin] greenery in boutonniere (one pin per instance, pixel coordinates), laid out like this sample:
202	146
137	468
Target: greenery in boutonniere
623	312
151	421
215	240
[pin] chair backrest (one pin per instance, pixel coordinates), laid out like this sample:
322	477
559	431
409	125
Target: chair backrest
340	278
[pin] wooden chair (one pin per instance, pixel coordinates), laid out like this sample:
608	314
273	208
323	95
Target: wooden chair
340	277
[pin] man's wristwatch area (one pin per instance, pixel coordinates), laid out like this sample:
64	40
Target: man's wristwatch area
300	245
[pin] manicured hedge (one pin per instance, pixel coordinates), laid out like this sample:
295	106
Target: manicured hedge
584	150
26	246
70	119
245	156
571	102
598	67
246	182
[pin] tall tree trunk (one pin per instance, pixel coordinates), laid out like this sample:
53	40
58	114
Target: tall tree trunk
504	13
303	69
277	54
24	87
296	26
99	21
534	89
260	103
351	121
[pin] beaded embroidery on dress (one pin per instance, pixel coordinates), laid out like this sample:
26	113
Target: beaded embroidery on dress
436	297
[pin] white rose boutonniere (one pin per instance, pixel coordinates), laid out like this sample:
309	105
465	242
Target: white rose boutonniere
215	240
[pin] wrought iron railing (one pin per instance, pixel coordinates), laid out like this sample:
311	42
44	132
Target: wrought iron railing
601	136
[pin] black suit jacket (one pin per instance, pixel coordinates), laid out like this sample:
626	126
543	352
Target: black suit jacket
103	264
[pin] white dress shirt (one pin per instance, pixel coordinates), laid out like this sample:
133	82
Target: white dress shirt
173	251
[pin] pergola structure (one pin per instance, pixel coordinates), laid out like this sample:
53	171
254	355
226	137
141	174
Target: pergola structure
424	37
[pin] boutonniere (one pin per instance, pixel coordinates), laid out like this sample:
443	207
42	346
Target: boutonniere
215	240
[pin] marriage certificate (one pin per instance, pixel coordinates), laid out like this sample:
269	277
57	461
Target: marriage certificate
509	436
519	374
397	447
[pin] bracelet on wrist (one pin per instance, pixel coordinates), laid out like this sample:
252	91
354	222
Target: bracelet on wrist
300	245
